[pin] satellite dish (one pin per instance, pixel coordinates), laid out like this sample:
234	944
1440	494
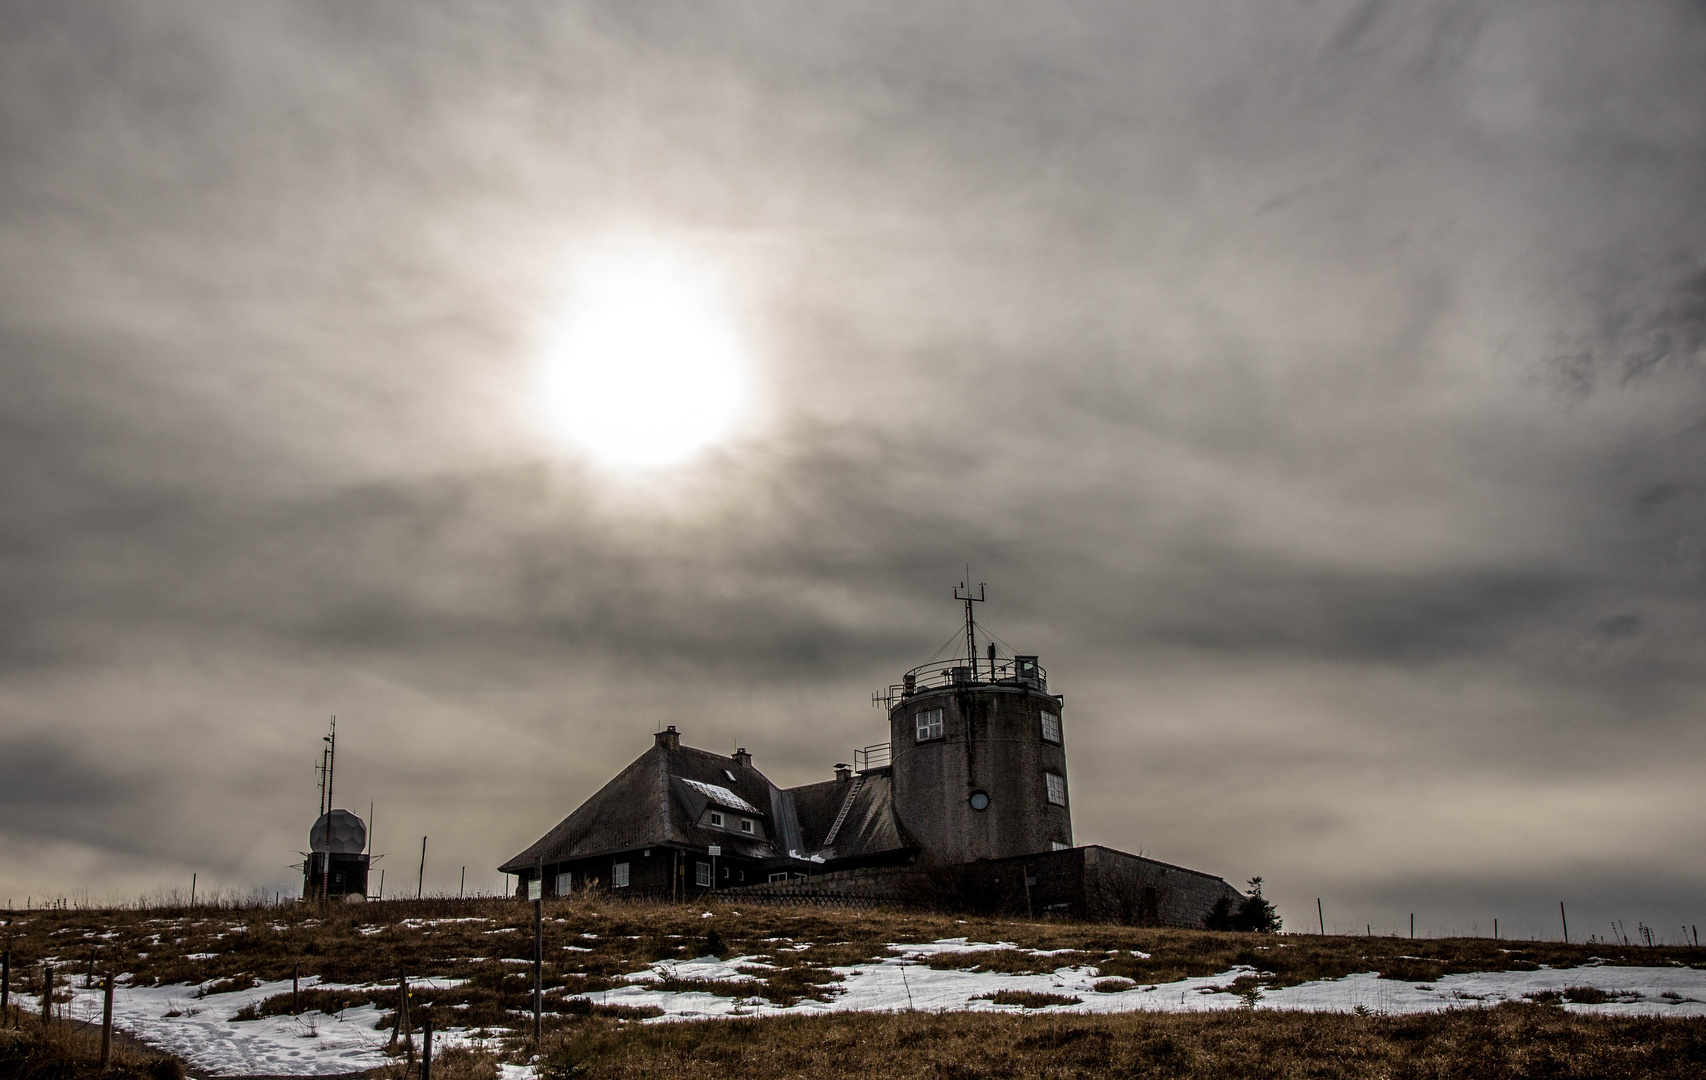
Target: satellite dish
348	834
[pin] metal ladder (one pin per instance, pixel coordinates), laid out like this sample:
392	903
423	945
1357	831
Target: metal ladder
846	805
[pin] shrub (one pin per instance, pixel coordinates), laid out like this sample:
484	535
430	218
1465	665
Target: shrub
1255	913
1030	999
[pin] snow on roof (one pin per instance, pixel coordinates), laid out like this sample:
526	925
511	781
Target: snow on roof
722	796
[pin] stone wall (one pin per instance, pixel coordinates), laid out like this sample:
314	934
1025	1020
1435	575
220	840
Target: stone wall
1095	883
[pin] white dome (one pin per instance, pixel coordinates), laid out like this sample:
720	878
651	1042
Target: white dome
348	834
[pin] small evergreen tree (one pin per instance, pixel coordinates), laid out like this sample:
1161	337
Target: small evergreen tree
1254	913
1220	916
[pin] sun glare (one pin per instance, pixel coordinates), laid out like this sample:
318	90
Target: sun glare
646	368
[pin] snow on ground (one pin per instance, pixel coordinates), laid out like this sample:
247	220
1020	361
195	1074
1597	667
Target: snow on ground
700	969
901	983
317	1044
313	1044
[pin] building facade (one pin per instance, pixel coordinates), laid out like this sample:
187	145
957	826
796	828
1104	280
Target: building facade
978	758
967	804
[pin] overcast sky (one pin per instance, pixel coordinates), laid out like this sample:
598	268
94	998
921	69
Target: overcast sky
1318	386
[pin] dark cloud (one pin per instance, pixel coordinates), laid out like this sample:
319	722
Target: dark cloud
1317	387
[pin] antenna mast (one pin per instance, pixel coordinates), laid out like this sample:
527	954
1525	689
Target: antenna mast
331	758
971	623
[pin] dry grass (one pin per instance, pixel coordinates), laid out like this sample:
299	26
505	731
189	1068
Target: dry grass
471	939
1491	1044
591	943
1028	999
455	1064
68	1051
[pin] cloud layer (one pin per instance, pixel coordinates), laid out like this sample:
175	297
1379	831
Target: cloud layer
1318	386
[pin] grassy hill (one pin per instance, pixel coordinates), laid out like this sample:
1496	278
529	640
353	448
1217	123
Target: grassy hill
475	949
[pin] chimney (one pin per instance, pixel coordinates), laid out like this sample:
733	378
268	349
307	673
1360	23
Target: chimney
843	771
742	758
669	738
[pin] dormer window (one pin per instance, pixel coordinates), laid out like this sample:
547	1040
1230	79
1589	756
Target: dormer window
745	825
929	724
716	820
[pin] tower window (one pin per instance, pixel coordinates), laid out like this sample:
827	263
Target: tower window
979	800
929	724
716	819
1051	727
1056	845
619	876
702	875
565	881
745	825
1056	788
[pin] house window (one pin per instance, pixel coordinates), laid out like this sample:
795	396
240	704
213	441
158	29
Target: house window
1051	727
745	825
929	724
702	875
783	876
1056	845
619	876
716	819
1056	788
564	881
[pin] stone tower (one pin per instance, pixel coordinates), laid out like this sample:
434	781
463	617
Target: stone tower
978	757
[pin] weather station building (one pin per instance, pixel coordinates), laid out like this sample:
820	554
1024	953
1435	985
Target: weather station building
966	805
336	862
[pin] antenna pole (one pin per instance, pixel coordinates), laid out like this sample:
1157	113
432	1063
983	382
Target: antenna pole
326	857
963	593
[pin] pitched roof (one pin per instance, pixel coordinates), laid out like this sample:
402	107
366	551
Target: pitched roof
659	799
867	829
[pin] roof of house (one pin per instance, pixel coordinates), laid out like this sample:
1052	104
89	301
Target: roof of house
868	828
659	799
662	796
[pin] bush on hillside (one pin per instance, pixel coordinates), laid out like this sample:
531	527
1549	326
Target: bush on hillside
1254	913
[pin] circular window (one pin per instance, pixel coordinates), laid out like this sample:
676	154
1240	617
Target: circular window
979	800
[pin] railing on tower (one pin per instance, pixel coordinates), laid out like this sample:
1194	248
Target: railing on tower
872	757
945	674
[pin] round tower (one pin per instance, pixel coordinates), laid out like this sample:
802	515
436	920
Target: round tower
978	758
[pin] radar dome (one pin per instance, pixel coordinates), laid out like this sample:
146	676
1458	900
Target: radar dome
347	834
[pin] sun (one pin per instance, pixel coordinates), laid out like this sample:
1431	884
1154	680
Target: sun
645	368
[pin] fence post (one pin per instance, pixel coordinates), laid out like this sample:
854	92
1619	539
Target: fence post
537	887
295	988
426	1045
46	994
107	1023
5	986
402	1010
